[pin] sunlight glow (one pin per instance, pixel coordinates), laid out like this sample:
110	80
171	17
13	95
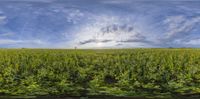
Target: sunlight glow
99	44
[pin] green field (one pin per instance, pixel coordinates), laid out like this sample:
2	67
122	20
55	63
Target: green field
118	72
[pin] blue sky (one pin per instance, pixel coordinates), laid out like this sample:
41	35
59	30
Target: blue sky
99	23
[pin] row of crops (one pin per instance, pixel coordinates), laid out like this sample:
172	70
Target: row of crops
121	72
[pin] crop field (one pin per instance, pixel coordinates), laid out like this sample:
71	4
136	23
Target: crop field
116	72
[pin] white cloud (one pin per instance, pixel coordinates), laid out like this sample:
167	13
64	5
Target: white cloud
180	31
193	42
11	41
115	1
30	0
6	34
107	30
180	25
73	15
2	18
35	41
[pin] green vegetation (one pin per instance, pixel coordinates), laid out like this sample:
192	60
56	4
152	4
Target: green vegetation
119	72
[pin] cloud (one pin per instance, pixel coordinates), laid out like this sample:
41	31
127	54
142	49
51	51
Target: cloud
8	41
124	23
115	1
119	44
94	41
135	38
117	28
179	26
13	42
73	15
2	18
104	29
178	30
110	31
6	34
45	1
193	42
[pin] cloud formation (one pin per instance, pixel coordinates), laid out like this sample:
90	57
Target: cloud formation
94	41
99	23
109	31
180	25
180	30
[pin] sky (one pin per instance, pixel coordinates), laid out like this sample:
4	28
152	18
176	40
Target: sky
99	23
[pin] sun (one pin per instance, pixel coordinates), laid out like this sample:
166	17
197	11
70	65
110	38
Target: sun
99	44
